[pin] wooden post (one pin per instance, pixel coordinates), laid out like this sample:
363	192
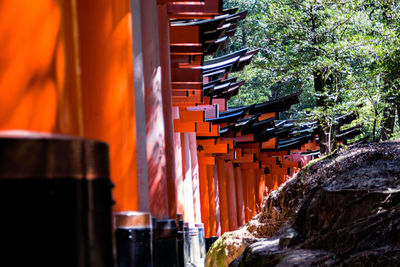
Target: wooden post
211	195
231	196
281	179
155	132
245	194
275	181
251	194
205	199
171	173
40	68
195	177
239	196
179	167
139	107
217	201
259	189
223	196
187	182
114	115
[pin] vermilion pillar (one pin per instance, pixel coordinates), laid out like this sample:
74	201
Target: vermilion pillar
39	73
139	100
211	195
179	161
231	196
217	201
105	46
281	179
171	174
205	199
223	196
275	181
155	132
195	177
259	188
269	182
187	182
245	187
239	196
251	198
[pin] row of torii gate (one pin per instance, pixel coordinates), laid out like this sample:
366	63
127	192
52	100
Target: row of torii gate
134	74
227	159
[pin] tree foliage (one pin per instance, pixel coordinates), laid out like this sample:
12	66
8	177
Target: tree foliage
344	55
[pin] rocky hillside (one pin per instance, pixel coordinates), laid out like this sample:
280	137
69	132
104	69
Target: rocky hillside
340	210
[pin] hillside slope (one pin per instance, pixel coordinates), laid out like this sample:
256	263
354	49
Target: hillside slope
340	210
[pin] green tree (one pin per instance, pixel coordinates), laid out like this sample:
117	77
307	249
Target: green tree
340	53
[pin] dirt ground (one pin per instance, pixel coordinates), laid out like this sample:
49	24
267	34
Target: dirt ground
342	210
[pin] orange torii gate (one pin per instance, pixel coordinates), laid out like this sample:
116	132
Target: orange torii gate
113	71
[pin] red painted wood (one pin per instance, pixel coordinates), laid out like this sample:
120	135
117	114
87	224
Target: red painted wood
221	102
184	127
187	85
211	7
171	172
210	110
245	194
246	158
281	179
186	92
251	193
239	197
269	182
105	64
183	100
187	180
275	181
206	160
209	149
184	35
260	186
231	191
187	116
217	201
267	116
244	138
155	131
179	166
204	128
212	208
270	144
205	199
214	131
195	177
223	196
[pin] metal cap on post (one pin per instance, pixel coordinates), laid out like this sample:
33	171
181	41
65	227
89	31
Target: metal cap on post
132	219
133	231
165	246
181	240
61	183
202	242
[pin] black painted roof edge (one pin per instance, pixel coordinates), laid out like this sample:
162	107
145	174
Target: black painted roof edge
271	106
230	11
228	118
199	22
252	107
239	53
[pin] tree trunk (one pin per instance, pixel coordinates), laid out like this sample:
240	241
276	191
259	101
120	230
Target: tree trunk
398	114
387	125
374	129
244	40
319	84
